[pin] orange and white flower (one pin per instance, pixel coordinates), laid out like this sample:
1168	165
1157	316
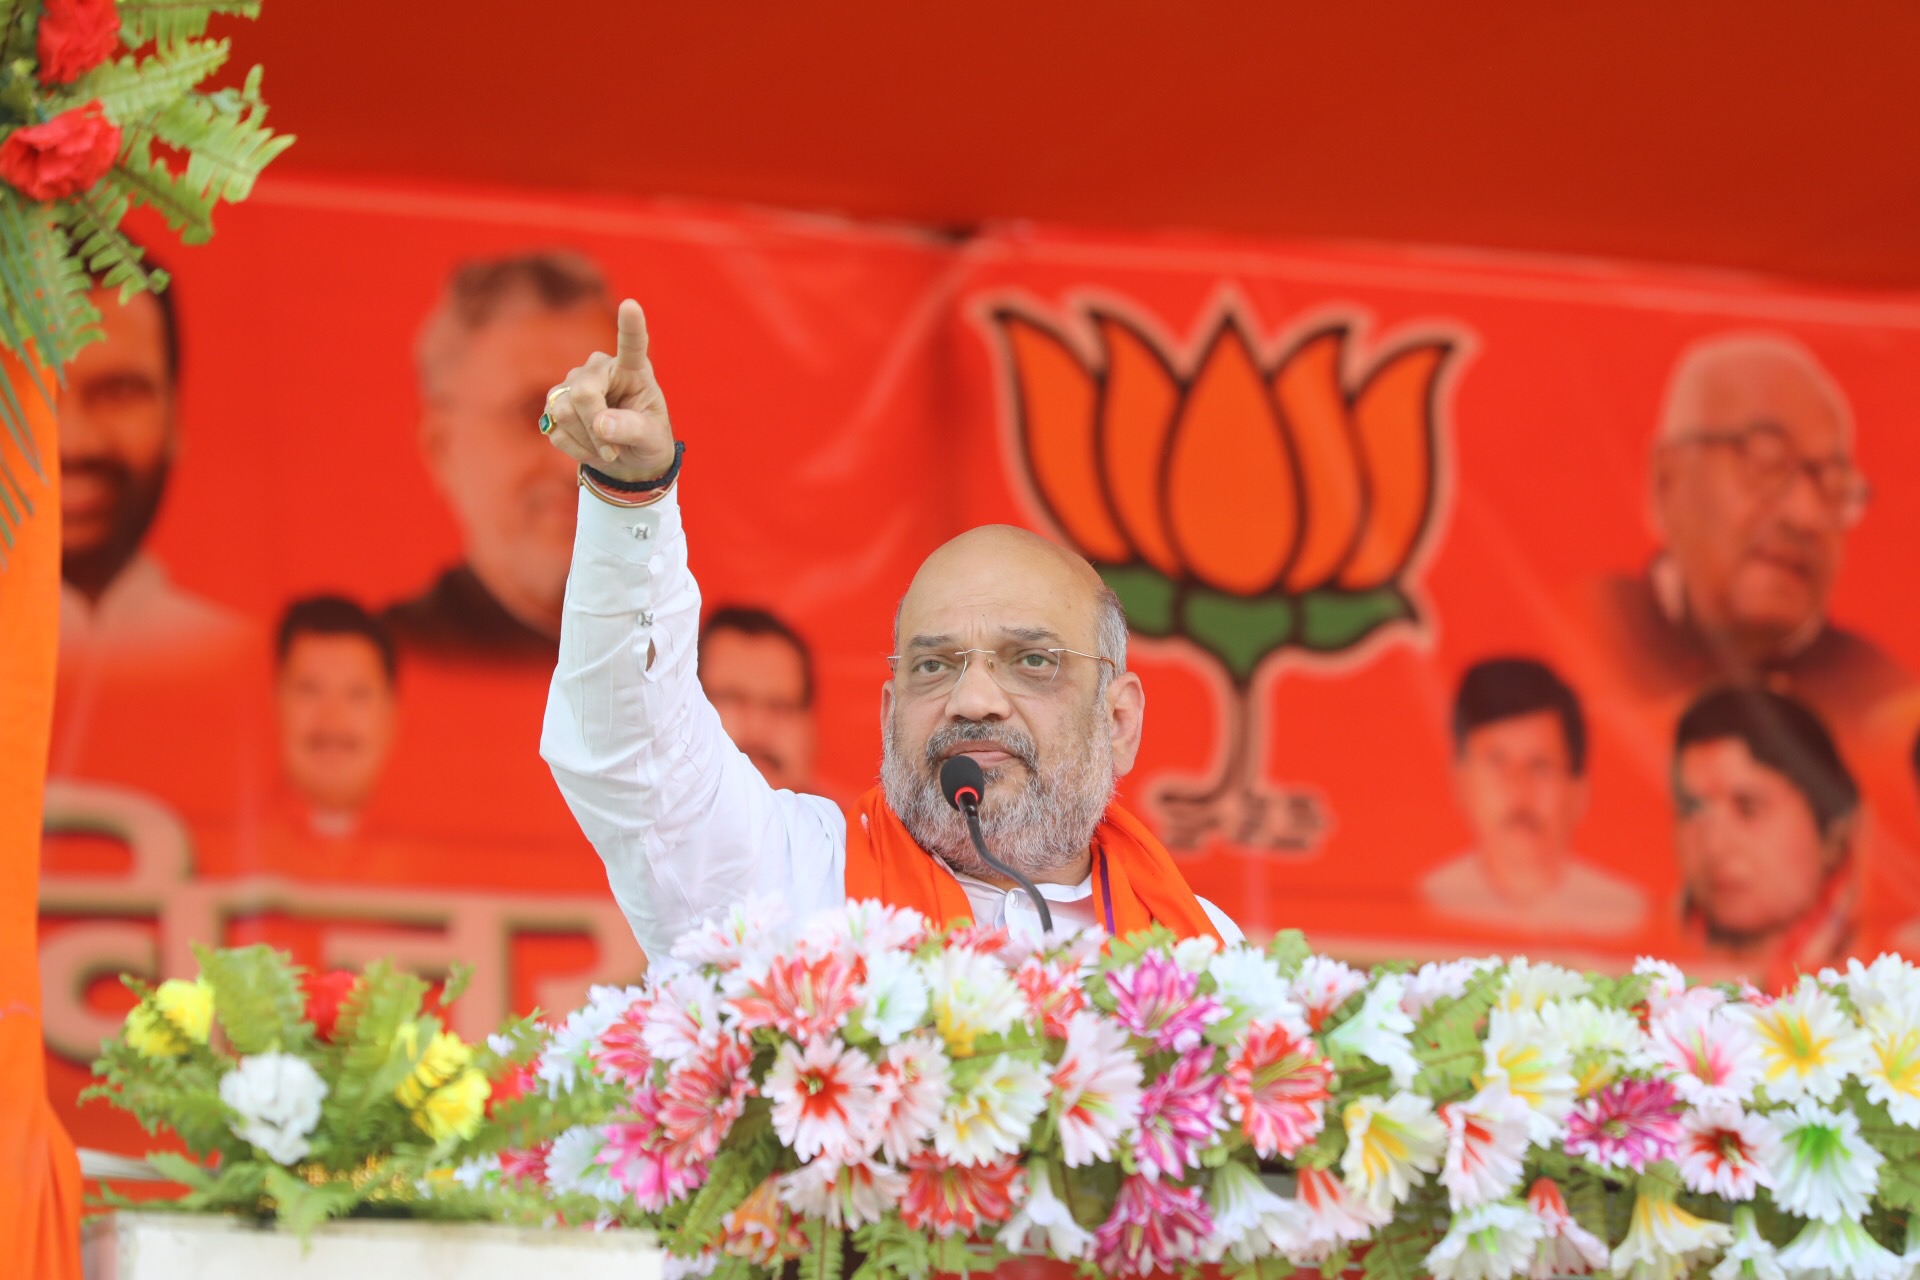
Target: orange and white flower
1486	1142
1096	1090
1322	986
825	1099
1726	1152
843	1195
1389	1141
1333	1216
1566	1248
914	1082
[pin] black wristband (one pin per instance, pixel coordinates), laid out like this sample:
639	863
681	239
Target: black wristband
606	481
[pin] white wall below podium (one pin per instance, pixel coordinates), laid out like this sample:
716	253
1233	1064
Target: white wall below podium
175	1246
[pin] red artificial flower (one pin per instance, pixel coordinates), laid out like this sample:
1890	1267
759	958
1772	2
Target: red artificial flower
516	1082
62	157
75	37
326	992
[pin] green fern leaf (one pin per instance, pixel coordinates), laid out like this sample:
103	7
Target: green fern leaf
225	150
1400	1253
133	88
256	997
826	1257
171	21
1900	1185
148	181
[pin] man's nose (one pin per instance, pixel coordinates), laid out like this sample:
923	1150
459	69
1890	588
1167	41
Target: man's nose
1803	507
977	695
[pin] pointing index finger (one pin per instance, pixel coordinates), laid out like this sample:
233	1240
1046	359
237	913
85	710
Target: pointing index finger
632	350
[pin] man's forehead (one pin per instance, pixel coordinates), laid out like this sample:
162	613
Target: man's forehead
1001	588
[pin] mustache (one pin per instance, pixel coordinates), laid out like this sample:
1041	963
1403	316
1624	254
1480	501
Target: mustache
957	732
1524	820
118	475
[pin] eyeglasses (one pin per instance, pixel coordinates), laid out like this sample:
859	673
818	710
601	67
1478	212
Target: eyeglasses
1770	463
1018	669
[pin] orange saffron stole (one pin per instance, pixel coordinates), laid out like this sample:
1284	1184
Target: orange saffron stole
1132	871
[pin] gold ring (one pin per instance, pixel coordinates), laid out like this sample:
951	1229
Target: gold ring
562	389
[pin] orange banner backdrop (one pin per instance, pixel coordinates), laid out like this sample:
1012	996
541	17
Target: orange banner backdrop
1426	558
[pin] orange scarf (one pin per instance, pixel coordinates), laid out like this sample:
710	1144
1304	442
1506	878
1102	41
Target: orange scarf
1135	884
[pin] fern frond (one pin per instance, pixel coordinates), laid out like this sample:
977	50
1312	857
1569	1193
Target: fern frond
256	996
171	21
226	150
133	88
147	180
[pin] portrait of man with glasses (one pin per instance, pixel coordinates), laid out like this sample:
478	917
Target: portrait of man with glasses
1755	486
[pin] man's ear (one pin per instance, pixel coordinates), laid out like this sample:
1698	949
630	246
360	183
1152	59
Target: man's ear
886	704
1126	716
436	444
1837	843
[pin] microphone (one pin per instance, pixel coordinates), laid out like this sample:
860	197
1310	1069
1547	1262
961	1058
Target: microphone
963	782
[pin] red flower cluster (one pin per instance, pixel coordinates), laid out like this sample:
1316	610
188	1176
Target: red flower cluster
62	157
326	992
75	37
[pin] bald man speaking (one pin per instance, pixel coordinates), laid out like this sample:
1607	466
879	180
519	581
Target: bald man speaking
1007	649
1754	489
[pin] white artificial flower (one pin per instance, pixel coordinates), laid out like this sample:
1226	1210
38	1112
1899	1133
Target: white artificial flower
972	995
1248	982
567	1057
1529	985
893	1001
1726	1152
1486	1143
729	938
1709	1053
1044	1221
1491	1242
993	1116
1566	1248
843	1195
866	928
1666	1242
1749	1257
1380	1031
1249	1221
684	1018
674	1267
1194	954
277	1098
1824	1249
1389	1140
479	1172
573	1165
1890	979
1322	986
1892	1071
1438	980
1808	1046
1823	1169
1535	1065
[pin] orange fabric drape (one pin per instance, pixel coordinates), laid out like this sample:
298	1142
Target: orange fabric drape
39	1173
1136	873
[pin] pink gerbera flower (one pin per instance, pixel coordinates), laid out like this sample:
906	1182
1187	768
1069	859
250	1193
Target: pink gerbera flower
1627	1125
915	1079
1159	1000
1277	1088
1155	1226
642	1161
825	1100
951	1199
1053	991
1096	1089
1726	1152
803	995
701	1100
620	1055
1179	1115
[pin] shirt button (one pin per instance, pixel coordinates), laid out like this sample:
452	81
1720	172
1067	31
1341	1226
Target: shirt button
639	531
646	617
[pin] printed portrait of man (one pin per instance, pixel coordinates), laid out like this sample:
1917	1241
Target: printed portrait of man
336	708
119	421
1520	780
1765	820
1754	488
758	674
486	359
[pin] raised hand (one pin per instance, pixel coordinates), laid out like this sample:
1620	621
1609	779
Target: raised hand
609	412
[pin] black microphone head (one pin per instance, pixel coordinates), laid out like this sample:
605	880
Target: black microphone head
962	780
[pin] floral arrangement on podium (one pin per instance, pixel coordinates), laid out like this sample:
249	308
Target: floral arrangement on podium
867	1094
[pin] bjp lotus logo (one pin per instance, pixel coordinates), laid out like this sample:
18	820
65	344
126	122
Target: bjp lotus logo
1247	505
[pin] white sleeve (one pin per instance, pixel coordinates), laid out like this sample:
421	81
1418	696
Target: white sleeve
683	821
1223	924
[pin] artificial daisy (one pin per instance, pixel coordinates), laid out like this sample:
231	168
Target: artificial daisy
1249	984
574	1166
1527	985
1389	1140
1194	954
1603	1042
1566	1248
825	1099
760	1229
1750	1256
567	1057
1096	1090
1892	1071
972	995
1158	1000
993	1114
1438	980
1154	1226
1249	1221
1841	1248
864	928
843	1195
1179	1115
1535	1067
1890	979
1490	1242
1726	1152
1665	1242
950	1199
1053	990
914	1082
1807	1044
1486	1142
685	1015
1277	1088
1045	1221
1710	1053
1627	1125
1379	1031
1321	986
1823	1169
893	1001
731	937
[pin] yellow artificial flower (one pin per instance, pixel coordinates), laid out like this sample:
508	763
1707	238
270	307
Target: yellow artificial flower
455	1109
445	1057
151	1036
188	1006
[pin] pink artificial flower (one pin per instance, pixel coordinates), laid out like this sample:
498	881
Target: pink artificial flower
825	1099
645	1165
620	1054
1629	1124
1714	1057
1155	1226
1568	1249
914	1082
1323	985
1726	1152
952	1199
803	996
526	1166
986	939
1155	998
1179	1115
1053	992
1096	1089
684	1016
703	1097
1277	1088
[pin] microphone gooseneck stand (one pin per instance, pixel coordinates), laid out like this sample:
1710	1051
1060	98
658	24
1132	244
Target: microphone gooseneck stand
962	781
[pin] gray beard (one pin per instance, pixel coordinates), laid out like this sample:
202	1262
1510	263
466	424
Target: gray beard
1038	827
